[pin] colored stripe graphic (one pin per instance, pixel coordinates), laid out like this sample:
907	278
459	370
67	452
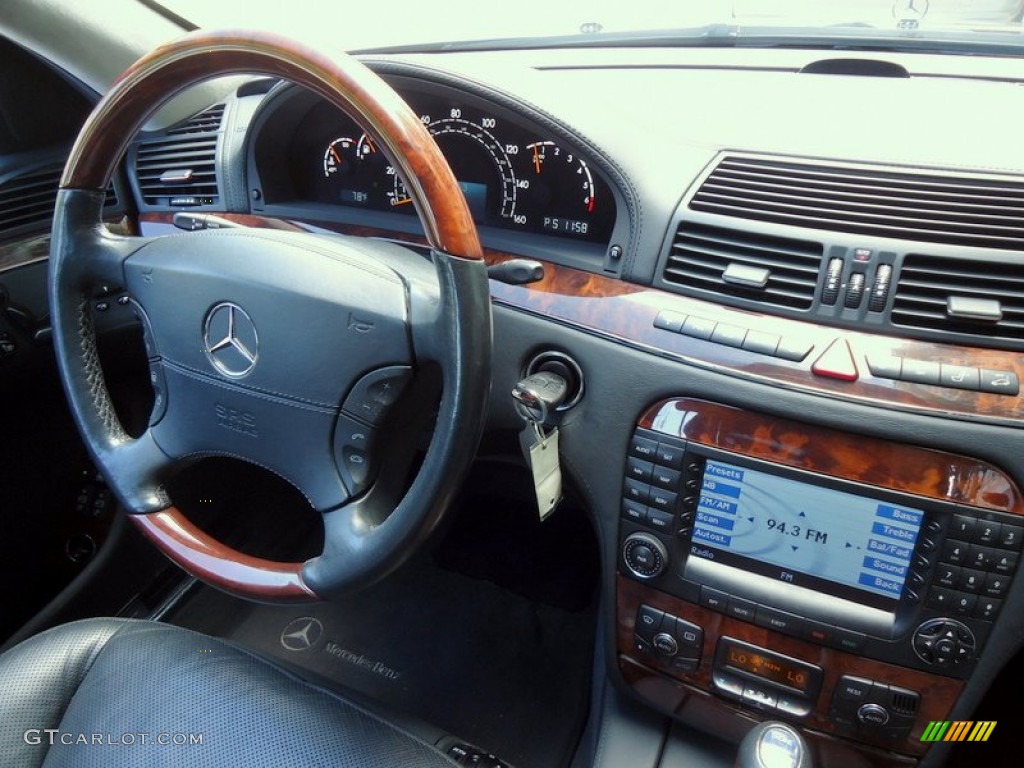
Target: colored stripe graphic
958	730
982	730
935	731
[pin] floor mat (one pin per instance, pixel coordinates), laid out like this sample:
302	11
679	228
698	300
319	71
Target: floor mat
506	673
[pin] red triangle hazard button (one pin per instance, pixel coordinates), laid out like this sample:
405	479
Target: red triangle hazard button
836	362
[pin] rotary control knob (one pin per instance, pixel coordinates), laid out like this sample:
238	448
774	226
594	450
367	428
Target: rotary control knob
644	555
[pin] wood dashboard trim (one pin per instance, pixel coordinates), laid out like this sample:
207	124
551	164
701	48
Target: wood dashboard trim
626	312
871	461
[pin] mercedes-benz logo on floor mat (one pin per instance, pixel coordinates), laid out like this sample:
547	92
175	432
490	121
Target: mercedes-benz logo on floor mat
302	634
231	341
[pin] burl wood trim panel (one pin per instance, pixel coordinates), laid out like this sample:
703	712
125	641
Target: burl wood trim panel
881	463
938	693
337	77
626	312
220	565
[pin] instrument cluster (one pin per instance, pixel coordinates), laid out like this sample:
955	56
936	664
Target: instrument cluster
513	175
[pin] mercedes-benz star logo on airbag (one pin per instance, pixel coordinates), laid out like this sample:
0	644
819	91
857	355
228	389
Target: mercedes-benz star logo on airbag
301	634
231	340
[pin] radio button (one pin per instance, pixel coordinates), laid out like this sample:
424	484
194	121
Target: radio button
741	609
986	532
638	492
778	620
817	632
964	603
947	575
850	641
987	609
995	585
955	552
639	470
980	557
971	581
643	448
963	527
713	599
662	521
1004	562
940	598
1010	536
670	455
664	477
633	511
659	498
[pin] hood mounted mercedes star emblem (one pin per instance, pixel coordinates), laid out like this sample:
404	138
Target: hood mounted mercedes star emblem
232	344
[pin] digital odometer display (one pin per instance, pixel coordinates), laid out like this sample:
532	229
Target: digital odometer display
804	534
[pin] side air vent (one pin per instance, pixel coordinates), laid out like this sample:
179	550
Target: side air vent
978	298
744	265
179	169
28	200
960	209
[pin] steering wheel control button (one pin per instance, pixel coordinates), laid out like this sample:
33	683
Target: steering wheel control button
644	556
376	392
836	362
353	451
158	381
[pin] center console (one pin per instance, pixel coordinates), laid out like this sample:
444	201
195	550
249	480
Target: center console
771	568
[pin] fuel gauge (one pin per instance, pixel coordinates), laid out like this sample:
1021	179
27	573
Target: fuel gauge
562	194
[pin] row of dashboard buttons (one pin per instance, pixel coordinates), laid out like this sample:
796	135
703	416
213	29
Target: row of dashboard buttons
787	348
979	557
976	531
653	471
787	623
944	375
762	697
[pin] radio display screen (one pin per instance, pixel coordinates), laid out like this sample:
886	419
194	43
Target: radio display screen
805	534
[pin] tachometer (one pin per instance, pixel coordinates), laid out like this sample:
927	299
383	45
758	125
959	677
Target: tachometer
562	195
353	170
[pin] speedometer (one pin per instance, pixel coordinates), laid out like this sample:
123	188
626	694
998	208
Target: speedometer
479	161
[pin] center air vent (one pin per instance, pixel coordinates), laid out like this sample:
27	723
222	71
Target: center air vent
745	265
179	168
966	296
976	210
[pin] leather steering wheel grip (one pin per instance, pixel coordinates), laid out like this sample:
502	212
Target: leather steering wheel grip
82	254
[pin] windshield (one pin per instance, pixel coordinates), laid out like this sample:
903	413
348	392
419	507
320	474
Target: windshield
910	24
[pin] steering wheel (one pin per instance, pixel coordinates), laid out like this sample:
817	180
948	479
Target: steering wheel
302	353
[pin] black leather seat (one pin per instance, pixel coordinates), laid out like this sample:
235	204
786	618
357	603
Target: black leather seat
114	692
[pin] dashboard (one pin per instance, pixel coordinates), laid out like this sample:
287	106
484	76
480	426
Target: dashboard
795	301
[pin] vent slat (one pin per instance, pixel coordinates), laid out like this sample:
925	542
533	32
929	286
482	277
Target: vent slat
747	256
926	282
183	147
700	255
927	206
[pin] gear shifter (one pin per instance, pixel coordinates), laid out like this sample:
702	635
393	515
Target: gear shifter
773	745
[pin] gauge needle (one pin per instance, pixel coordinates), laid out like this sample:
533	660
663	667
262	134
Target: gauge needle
402	202
536	159
337	157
